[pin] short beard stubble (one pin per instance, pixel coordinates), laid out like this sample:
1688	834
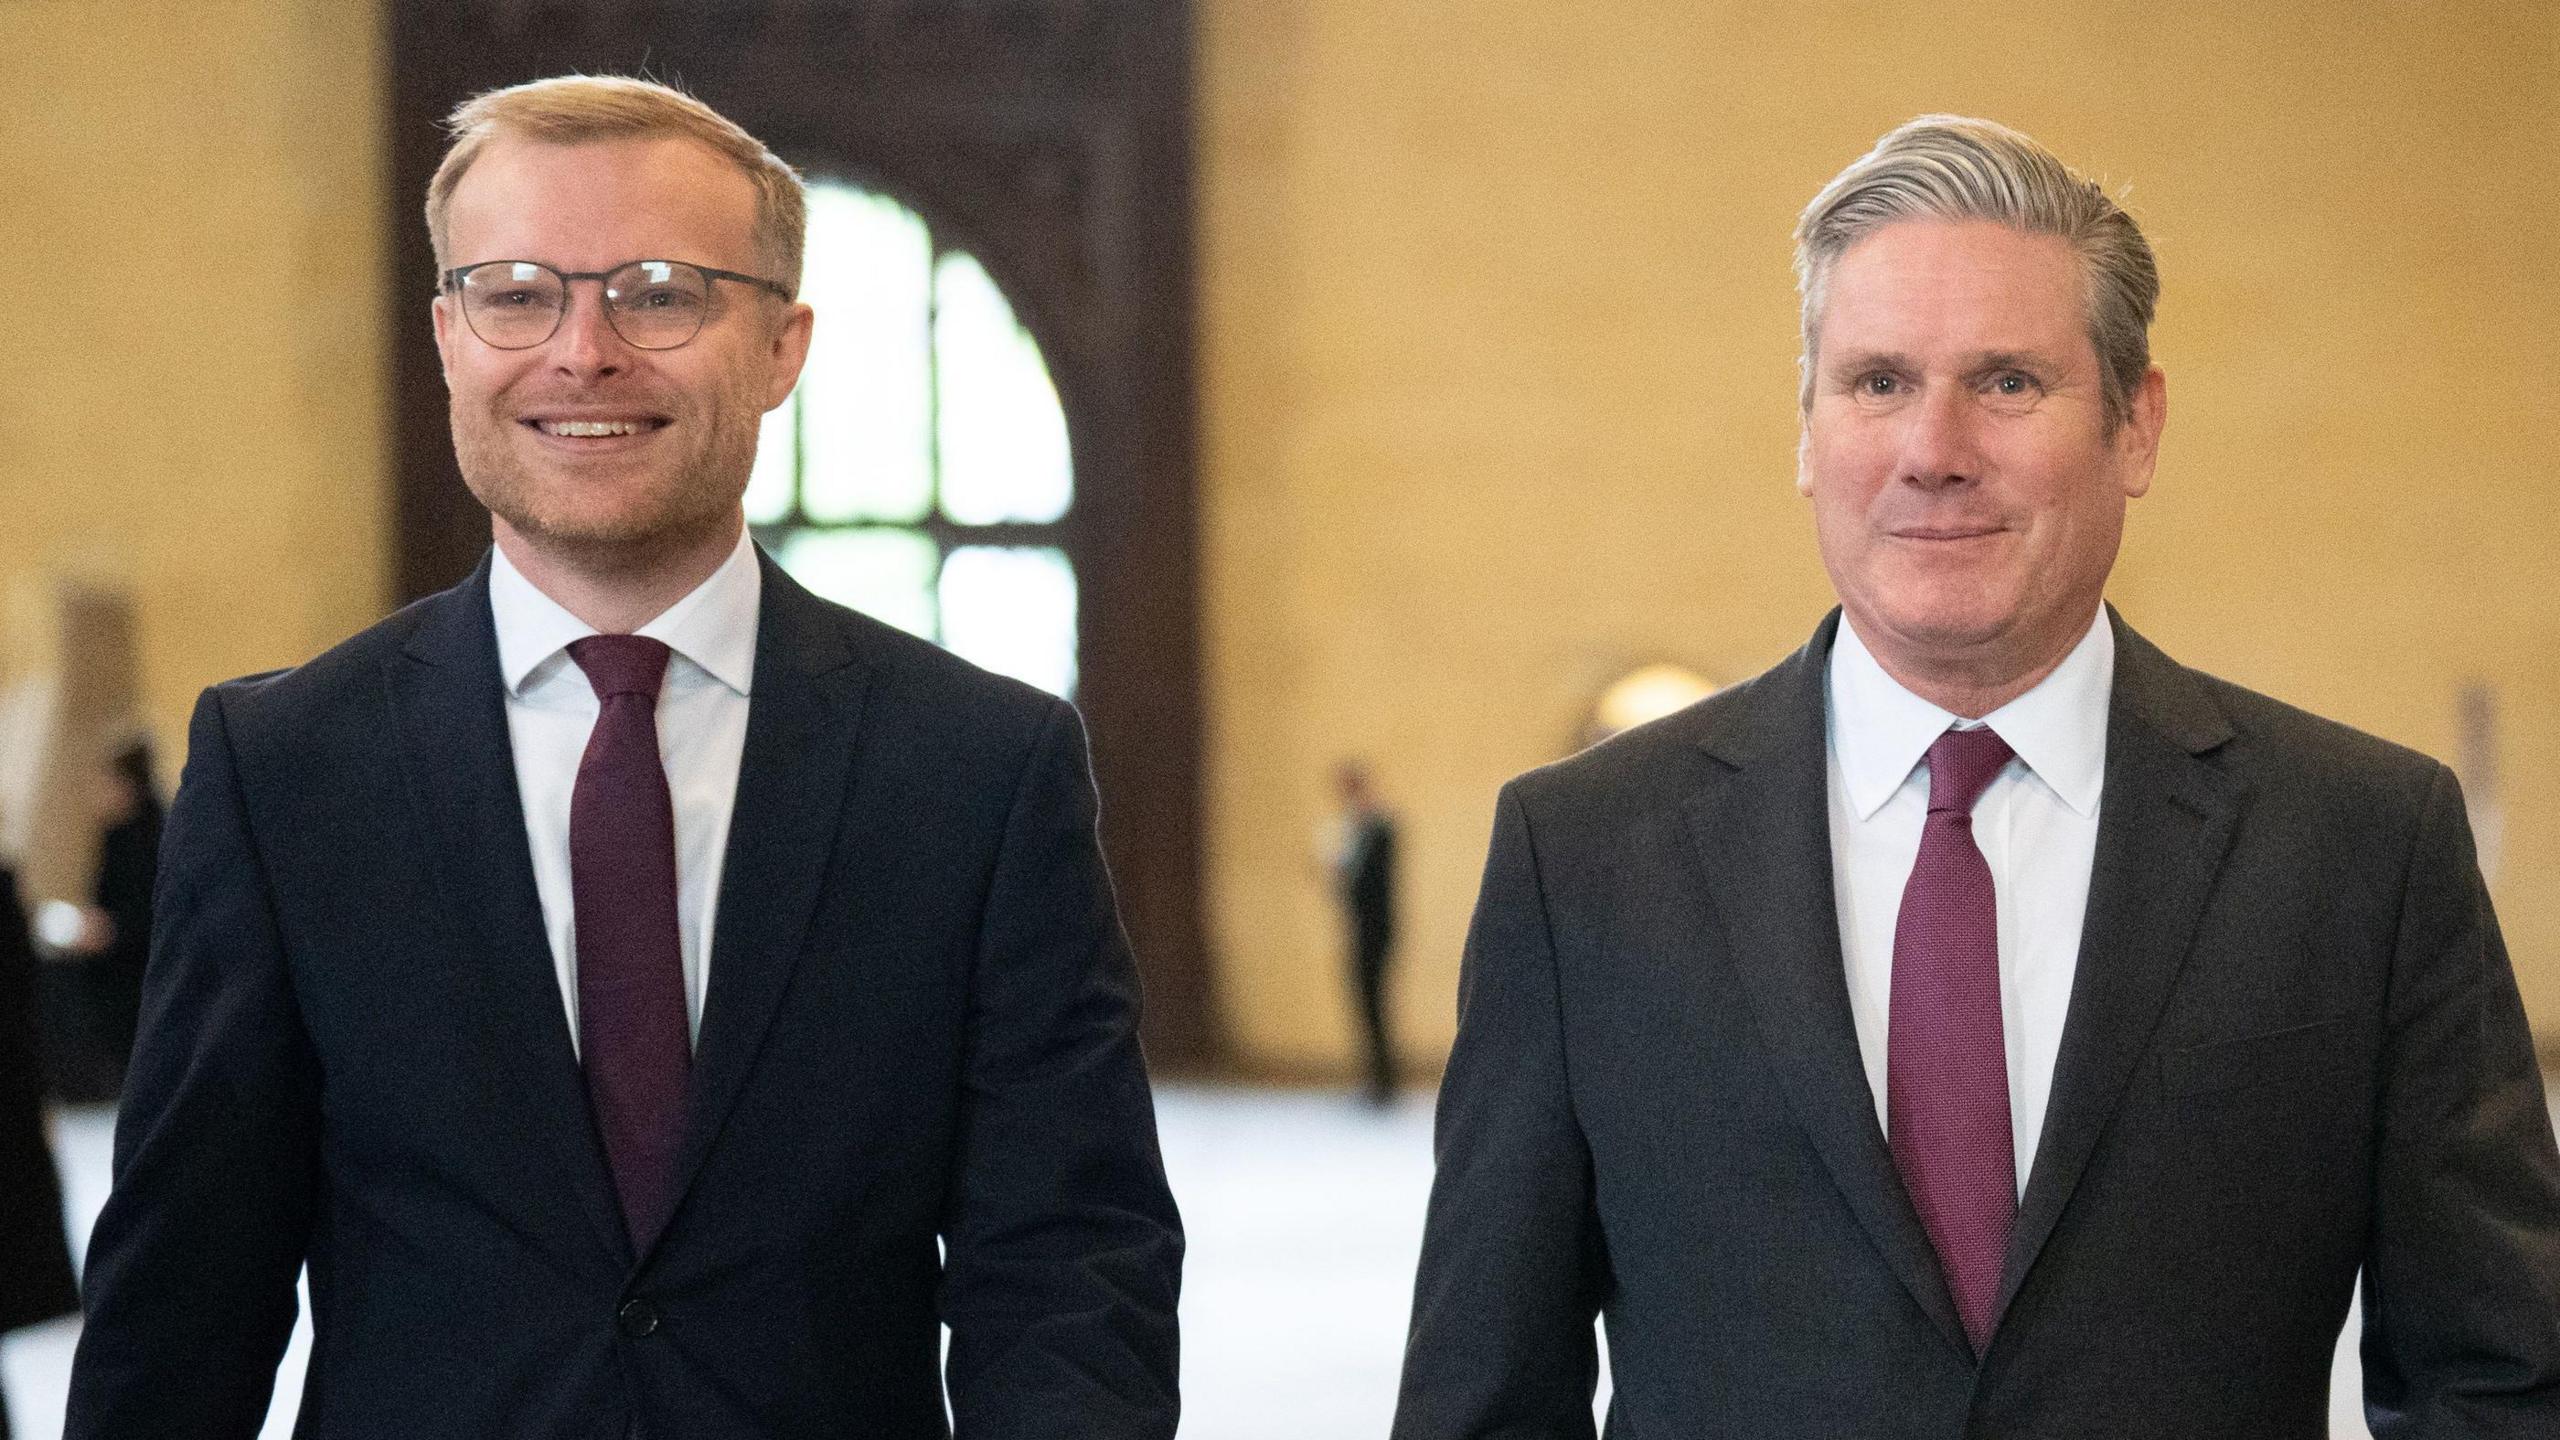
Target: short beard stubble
650	515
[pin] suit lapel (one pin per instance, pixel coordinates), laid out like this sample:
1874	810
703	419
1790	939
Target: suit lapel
1763	831
451	727
792	779
2165	824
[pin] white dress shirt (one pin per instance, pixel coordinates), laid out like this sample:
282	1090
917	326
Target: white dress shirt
702	732
2037	827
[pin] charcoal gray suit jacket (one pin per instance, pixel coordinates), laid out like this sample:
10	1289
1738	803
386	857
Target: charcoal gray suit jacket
2294	1052
917	1097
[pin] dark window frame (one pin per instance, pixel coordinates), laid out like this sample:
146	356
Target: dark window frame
946	534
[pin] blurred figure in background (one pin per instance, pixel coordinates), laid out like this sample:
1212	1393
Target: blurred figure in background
1364	878
35	1259
92	992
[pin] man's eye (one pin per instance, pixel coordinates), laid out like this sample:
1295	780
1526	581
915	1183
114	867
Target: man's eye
1878	384
660	298
2010	382
511	299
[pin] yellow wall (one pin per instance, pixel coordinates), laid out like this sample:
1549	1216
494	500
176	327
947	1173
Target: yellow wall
1498	394
1497	347
191	391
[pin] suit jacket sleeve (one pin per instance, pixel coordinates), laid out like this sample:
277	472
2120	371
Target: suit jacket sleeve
191	1269
1512	1271
1063	1252
2462	1310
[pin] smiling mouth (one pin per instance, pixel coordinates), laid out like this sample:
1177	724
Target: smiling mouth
596	429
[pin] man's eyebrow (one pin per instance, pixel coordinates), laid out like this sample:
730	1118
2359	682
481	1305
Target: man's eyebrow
1847	361
2012	360
1853	362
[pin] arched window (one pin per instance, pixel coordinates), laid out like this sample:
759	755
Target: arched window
920	473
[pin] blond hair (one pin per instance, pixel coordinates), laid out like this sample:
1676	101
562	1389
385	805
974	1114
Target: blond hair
570	109
1948	167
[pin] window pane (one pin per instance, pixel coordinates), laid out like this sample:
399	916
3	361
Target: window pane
1014	612
769	484
885	574
1004	439
866	432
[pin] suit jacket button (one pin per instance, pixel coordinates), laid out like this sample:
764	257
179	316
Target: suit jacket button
636	1318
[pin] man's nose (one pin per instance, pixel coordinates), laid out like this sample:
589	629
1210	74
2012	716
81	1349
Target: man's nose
1940	446
586	346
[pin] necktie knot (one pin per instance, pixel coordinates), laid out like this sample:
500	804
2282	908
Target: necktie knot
1962	764
622	664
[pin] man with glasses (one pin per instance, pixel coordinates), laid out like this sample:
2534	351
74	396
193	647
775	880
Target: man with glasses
651	1000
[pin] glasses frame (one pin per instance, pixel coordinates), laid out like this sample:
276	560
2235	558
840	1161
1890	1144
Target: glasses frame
450	283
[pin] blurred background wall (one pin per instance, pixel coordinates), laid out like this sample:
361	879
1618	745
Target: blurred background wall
1498	342
1497	389
191	393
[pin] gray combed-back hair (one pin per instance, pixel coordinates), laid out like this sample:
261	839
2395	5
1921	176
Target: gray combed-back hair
1948	167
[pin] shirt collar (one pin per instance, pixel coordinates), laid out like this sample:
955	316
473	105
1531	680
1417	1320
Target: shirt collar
1880	731
713	626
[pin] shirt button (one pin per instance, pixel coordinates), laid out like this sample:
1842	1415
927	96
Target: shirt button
636	1318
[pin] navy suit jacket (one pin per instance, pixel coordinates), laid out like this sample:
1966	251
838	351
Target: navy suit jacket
917	1093
2294	1052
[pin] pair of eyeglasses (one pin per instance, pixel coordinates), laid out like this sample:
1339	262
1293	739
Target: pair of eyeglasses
652	304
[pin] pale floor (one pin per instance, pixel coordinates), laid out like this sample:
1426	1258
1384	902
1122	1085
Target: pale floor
1305	1214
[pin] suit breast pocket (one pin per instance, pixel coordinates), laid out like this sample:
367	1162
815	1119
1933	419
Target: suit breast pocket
2269	1130
2273	1058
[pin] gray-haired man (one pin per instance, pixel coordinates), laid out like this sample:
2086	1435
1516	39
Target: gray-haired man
1979	1024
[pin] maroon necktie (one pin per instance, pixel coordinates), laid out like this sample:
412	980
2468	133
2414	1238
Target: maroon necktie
1946	1070
633	1037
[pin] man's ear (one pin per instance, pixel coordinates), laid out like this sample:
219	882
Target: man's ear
2138	439
440	311
790	352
